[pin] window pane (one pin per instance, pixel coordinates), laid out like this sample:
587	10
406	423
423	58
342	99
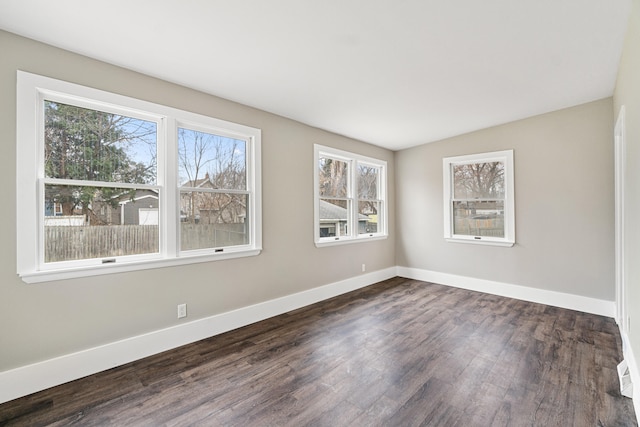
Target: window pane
479	218
213	220
211	161
91	222
92	145
478	181
333	177
368	216
334	217
368	182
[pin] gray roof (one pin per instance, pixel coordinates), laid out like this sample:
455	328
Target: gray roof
198	182
329	211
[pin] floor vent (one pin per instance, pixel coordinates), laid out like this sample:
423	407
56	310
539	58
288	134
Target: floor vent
626	387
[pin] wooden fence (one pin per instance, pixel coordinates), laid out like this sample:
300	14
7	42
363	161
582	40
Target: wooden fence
200	236
492	227
66	243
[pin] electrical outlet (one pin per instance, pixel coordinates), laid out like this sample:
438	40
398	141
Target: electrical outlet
182	310
364	268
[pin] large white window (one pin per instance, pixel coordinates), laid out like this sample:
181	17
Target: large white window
349	197
478	198
107	183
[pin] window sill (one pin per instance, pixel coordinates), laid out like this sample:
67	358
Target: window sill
485	241
348	240
123	267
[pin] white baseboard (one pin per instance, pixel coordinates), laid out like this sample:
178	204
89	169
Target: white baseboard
29	379
629	357
525	293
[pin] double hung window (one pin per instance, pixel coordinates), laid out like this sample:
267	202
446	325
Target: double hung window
214	197
478	198
350	197
107	183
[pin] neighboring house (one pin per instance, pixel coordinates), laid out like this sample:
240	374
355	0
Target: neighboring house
142	209
210	208
54	216
52	208
333	221
199	183
191	203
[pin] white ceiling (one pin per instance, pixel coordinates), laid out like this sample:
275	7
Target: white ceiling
395	73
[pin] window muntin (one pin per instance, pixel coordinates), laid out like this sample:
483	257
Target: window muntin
88	152
350	195
335	203
369	202
214	199
478	199
478	192
109	162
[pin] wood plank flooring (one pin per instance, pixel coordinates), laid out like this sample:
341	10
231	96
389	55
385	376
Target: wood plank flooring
398	353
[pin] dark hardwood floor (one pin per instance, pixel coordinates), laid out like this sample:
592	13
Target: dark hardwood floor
398	353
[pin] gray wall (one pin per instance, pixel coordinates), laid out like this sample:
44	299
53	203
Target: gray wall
564	215
41	321
563	199
627	93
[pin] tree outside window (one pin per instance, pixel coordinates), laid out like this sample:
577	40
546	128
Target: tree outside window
478	194
349	197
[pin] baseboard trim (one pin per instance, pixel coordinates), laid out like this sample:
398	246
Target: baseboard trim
39	376
542	296
32	378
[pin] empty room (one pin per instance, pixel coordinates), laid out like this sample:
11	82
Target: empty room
288	213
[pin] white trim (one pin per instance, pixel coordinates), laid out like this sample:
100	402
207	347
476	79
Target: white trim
29	379
32	378
525	293
620	160
479	241
88	271
353	160
347	241
505	157
31	90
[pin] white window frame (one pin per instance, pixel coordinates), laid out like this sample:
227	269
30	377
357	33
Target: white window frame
506	157
32	90
353	160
